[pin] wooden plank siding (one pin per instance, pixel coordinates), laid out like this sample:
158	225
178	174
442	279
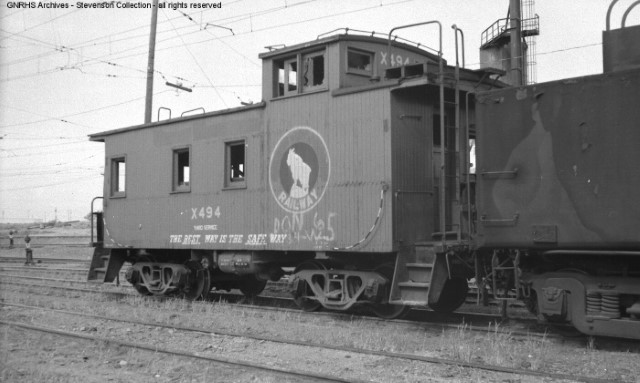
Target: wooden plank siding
356	139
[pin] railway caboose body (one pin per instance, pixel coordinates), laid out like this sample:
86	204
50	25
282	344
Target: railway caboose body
356	171
337	168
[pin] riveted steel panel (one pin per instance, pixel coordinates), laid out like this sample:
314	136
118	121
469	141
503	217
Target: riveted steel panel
561	155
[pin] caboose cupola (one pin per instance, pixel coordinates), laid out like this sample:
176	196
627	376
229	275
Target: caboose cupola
338	62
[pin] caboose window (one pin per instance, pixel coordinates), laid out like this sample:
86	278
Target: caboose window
299	74
313	70
235	160
181	170
118	176
291	76
280	76
359	62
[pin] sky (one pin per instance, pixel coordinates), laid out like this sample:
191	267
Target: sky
69	72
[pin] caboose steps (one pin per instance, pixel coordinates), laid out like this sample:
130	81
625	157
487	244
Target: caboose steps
105	265
414	270
99	263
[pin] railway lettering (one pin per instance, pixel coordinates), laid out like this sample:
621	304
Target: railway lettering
298	204
191	239
205	227
205	212
277	238
256	240
394	60
211	238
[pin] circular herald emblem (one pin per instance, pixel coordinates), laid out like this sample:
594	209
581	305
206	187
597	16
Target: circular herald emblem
299	170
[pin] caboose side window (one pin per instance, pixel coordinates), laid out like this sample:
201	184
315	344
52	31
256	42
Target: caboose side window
118	176
291	76
313	70
181	170
359	62
303	73
287	77
235	171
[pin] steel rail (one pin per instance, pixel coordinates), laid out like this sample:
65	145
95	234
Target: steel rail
91	291
45	260
462	317
402	356
139	346
84	282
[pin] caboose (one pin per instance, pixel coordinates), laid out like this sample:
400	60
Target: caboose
336	174
356	173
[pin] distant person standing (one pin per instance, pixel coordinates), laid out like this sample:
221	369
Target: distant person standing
11	239
29	252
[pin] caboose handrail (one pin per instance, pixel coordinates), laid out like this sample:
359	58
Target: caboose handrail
92	213
626	13
443	183
458	30
609	13
624	17
374	34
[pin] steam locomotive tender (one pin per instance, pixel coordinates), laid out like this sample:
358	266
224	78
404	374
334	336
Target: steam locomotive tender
356	170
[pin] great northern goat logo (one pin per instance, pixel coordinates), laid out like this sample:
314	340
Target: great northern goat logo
299	170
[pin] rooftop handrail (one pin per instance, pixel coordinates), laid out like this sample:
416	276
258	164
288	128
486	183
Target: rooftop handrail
378	34
624	17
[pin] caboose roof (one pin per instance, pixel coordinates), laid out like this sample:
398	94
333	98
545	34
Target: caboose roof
347	37
99	137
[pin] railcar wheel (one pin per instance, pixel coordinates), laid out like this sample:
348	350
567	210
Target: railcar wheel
386	310
305	303
453	295
197	281
252	287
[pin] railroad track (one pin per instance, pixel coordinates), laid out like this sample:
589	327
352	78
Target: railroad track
186	354
478	322
280	286
44	260
278	340
276	294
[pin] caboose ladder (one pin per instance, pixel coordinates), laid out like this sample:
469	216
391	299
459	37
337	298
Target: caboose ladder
413	275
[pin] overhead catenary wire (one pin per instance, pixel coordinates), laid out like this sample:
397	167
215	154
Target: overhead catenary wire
111	40
195	60
63	118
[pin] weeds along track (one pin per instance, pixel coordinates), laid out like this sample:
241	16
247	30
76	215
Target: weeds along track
155	333
522	327
457	347
23	276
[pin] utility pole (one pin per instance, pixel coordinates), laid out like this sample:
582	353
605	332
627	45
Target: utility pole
152	51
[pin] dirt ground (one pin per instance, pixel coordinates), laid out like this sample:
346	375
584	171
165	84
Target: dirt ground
28	356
